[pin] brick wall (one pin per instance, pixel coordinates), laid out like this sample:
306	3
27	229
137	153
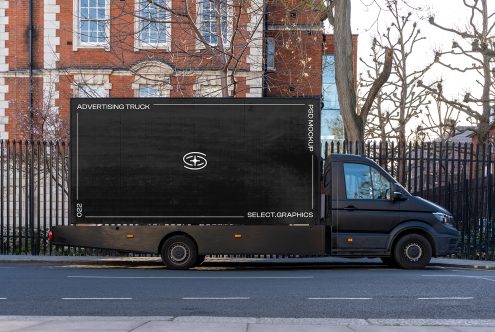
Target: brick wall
61	64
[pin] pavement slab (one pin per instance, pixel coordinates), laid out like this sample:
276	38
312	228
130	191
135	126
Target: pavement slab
159	326
473	329
297	328
401	329
84	325
312	321
434	322
13	325
212	319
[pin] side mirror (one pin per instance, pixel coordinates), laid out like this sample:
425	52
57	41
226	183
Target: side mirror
397	194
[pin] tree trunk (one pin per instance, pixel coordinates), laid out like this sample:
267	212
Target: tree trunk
344	71
220	38
224	83
484	126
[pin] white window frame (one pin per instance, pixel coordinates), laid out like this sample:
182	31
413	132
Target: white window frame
230	23
151	86
138	21
76	28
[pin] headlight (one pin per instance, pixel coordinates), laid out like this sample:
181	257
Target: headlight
444	218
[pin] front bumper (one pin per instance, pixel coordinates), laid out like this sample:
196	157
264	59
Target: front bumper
447	244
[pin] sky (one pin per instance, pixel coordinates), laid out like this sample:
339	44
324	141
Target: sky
367	19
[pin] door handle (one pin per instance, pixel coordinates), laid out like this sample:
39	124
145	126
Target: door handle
350	207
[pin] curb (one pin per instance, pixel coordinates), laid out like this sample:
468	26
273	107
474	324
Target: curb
465	266
134	261
219	262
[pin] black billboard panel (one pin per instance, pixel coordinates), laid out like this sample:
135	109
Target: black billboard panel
195	161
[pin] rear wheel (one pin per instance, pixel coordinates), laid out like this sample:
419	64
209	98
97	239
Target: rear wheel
179	253
412	251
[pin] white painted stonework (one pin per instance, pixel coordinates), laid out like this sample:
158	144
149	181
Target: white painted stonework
208	84
4	67
92	79
255	56
152	72
50	38
50	55
254	81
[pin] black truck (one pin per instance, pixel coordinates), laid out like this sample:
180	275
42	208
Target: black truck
185	178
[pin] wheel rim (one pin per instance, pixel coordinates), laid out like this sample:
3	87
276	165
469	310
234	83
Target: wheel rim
413	252
178	253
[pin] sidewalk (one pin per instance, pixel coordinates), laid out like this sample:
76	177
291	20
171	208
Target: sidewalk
237	324
313	261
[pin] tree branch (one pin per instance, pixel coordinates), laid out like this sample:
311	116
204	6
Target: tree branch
462	34
377	84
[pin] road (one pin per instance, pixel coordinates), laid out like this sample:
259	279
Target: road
294	290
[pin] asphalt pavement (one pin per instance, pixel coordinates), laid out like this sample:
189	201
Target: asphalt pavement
305	290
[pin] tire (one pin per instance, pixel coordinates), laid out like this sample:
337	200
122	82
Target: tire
412	251
389	260
200	260
179	253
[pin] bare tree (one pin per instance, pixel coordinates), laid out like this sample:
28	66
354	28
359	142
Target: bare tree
46	124
338	14
441	120
475	44
221	44
407	98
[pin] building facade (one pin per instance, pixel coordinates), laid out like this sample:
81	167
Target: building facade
58	49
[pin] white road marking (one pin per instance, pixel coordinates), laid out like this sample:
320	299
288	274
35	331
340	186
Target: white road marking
340	298
3	298
138	277
488	278
97	298
215	298
446	298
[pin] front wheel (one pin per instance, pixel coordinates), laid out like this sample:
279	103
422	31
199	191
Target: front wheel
179	253
412	251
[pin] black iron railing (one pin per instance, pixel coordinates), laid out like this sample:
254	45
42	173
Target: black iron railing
457	176
34	178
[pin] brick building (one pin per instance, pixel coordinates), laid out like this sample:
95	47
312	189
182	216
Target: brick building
131	48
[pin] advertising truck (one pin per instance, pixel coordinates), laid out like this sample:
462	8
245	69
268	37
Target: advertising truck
185	178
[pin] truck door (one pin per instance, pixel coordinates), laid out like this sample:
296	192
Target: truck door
363	210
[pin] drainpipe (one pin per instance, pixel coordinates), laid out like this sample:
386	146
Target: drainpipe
30	50
31	130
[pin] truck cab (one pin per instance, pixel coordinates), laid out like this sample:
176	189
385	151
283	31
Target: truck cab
372	215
